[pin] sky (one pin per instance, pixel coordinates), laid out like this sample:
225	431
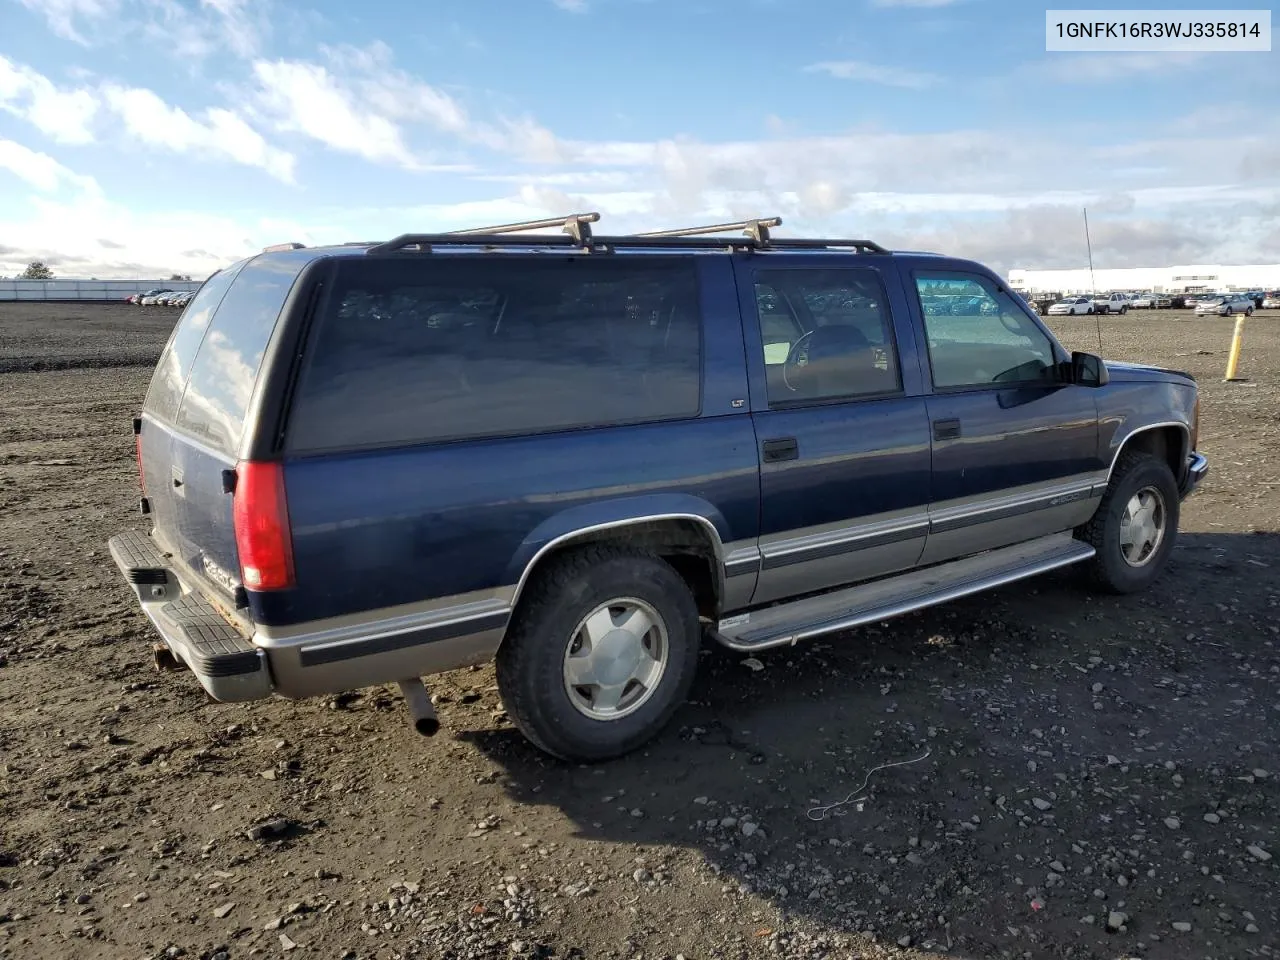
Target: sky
144	137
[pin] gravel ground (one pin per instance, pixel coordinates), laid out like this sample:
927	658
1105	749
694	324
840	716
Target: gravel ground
1101	777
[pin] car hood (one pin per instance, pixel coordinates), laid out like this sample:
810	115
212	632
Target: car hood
1138	372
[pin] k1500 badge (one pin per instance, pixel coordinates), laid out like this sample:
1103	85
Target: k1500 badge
218	575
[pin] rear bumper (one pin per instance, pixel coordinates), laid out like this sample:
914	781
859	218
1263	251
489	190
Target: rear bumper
306	660
227	664
1197	470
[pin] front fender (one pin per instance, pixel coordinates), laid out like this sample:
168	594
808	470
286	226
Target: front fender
1129	408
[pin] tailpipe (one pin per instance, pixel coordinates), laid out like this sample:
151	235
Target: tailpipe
421	713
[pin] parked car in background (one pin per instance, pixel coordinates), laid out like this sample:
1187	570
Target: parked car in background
1272	300
1225	305
332	506
1143	301
1070	307
139	297
151	299
1111	303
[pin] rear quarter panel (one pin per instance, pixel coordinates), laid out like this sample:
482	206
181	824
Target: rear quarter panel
384	528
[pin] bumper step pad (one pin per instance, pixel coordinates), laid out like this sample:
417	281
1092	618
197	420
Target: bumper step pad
139	559
227	664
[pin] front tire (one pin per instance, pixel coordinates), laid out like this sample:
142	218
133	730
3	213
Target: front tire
1135	526
600	654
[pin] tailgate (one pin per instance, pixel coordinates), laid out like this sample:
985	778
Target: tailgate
195	417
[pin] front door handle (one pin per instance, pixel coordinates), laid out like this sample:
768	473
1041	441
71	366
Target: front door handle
946	429
785	448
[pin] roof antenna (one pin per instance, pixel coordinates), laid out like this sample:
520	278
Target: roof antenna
1093	284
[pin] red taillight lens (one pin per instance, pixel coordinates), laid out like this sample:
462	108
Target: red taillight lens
261	520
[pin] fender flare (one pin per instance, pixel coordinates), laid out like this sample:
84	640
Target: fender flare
587	519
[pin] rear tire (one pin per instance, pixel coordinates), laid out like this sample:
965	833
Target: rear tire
578	622
1140	506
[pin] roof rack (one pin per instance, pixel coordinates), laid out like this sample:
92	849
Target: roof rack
757	229
576	226
577	233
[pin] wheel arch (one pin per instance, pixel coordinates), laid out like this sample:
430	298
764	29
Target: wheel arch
1168	440
685	531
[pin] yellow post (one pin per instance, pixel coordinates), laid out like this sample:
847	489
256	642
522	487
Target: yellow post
1233	358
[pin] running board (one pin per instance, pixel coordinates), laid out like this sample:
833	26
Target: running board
879	600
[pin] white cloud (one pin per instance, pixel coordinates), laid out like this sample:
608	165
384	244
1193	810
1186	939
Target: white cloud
359	103
888	76
183	29
305	98
223	133
40	170
65	116
64	15
1108	67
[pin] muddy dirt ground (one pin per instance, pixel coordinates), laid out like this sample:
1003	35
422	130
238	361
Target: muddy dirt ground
1091	761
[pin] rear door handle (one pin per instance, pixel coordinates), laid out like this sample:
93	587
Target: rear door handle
946	429
785	448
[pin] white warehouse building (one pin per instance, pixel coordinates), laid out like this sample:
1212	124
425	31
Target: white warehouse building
1185	278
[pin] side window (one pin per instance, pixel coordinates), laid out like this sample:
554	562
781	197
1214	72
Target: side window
226	366
422	349
170	377
827	335
978	335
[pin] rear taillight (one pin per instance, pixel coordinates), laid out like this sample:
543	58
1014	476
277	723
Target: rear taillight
261	519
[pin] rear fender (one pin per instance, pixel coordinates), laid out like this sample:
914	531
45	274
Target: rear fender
603	519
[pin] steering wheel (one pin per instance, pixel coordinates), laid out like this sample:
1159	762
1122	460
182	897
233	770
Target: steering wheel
793	356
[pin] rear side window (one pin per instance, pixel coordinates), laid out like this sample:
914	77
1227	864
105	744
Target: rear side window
171	372
429	349
226	366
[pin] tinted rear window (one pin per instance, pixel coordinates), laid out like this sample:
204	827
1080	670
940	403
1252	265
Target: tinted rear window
226	366
427	349
171	372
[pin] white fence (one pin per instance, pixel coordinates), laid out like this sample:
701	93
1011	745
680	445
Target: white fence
97	290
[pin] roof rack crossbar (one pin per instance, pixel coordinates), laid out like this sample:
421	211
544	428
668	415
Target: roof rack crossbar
575	225
757	229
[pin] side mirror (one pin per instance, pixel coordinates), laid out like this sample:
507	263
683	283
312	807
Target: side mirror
1088	370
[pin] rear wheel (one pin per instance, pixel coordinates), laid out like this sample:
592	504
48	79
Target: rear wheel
1135	526
601	653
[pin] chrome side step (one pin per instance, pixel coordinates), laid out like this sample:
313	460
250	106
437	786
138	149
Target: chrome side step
879	600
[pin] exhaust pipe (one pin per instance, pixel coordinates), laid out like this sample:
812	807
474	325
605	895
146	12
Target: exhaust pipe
421	712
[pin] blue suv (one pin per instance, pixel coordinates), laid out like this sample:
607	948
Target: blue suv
582	455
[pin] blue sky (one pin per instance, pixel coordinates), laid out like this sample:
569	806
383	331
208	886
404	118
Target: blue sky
139	137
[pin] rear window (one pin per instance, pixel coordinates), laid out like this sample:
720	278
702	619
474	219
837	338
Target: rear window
430	349
170	375
226	365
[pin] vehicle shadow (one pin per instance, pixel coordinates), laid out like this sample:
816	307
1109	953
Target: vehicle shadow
1048	714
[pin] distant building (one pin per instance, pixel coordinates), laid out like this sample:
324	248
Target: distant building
1185	278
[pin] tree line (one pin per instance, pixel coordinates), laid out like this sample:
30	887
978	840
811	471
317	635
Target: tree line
39	270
